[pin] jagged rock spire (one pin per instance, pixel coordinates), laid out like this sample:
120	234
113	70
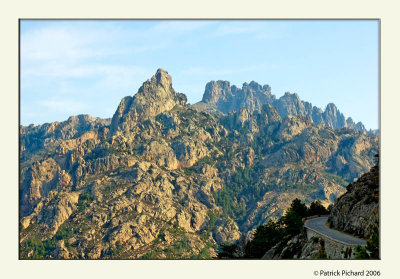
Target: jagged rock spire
155	96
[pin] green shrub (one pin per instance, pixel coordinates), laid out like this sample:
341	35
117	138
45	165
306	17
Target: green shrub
84	201
37	249
265	237
275	233
149	256
228	251
371	251
316	208
242	185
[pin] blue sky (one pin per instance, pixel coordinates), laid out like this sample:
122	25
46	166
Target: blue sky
86	67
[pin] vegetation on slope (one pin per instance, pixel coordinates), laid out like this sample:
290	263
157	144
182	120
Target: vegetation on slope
273	232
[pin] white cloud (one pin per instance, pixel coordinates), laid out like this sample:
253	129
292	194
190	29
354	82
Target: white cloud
56	52
222	71
78	70
60	43
63	106
74	42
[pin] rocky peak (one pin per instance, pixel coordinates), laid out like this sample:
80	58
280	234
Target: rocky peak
255	86
220	96
149	183
155	96
333	117
226	98
81	118
161	80
216	90
289	95
350	121
163	77
160	85
289	104
355	126
331	109
360	127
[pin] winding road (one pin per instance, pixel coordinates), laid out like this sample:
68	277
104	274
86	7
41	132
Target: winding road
319	226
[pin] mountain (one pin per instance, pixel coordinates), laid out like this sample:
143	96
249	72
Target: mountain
221	96
163	179
226	98
155	96
357	210
356	213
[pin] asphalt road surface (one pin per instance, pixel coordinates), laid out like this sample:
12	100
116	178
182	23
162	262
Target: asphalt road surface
319	225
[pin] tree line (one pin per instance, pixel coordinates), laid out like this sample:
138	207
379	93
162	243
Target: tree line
273	232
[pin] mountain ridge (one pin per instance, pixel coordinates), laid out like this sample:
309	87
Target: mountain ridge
164	180
222	97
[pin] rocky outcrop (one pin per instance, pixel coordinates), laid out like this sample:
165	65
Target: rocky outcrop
290	104
296	247
292	126
226	98
189	151
220	96
162	154
312	247
347	161
34	138
358	126
226	231
357	211
165	180
155	96
334	118
52	211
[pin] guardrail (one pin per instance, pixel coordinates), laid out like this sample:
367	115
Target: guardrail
328	237
313	217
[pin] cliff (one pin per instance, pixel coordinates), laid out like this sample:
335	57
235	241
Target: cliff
220	96
164	180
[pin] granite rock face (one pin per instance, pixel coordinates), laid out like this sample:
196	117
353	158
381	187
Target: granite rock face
357	211
226	98
154	97
165	180
220	96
